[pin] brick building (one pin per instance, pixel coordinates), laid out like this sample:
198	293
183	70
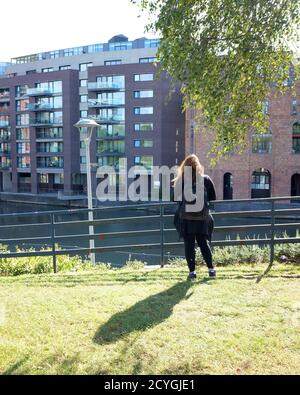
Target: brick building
43	95
269	167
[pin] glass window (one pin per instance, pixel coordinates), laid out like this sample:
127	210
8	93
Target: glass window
112	62
121	46
67	67
153	43
148	60
85	66
23	162
142	94
296	138
83	83
143	77
23	134
57	86
58	178
143	143
83	114
143	127
22	105
143	110
111	131
23	148
5	148
262	144
49	133
47	70
83	160
111	98
83	98
21	90
146	161
294	107
111	114
95	48
117	81
55	147
22	119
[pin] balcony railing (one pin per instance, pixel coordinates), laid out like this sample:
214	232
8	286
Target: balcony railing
50	165
5	166
5	152
5	137
110	136
43	151
104	86
108	119
45	122
4	109
111	152
40	106
105	103
39	92
4	97
4	124
47	136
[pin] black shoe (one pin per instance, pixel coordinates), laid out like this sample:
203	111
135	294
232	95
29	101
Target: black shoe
192	276
212	273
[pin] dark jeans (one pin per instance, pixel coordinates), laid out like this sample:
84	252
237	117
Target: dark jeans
190	253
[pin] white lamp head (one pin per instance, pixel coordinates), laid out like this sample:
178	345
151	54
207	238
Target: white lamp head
85	127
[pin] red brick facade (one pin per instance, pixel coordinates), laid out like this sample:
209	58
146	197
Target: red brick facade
282	163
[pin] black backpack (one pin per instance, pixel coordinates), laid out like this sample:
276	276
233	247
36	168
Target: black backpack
181	214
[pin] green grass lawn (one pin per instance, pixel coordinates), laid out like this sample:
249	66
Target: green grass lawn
151	322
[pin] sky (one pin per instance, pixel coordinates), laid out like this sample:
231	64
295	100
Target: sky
34	26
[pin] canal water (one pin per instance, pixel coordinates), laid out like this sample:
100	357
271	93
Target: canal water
65	226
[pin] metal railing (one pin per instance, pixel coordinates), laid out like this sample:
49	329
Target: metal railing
156	212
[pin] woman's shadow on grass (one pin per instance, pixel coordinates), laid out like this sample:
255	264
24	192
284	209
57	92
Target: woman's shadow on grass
143	315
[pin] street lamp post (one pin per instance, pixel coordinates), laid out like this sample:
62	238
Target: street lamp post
86	127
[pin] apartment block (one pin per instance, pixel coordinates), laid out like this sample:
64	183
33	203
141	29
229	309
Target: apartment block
43	95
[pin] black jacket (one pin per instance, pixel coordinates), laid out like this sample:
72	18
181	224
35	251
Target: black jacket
203	227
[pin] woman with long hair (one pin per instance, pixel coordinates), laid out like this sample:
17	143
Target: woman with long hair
195	226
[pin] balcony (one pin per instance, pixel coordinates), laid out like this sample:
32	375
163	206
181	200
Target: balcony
49	136
4	124
110	137
109	103
5	152
4	109
111	151
39	92
104	86
5	137
5	166
46	122
4	97
114	119
40	106
50	164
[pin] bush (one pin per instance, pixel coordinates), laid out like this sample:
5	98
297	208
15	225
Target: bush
249	254
43	265
135	264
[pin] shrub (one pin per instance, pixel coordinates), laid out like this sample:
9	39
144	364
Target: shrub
134	264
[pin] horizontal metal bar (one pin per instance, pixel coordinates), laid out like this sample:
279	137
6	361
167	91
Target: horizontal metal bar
25	239
23	225
107	220
107	235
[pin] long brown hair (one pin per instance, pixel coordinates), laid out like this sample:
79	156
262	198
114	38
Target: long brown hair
190	161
